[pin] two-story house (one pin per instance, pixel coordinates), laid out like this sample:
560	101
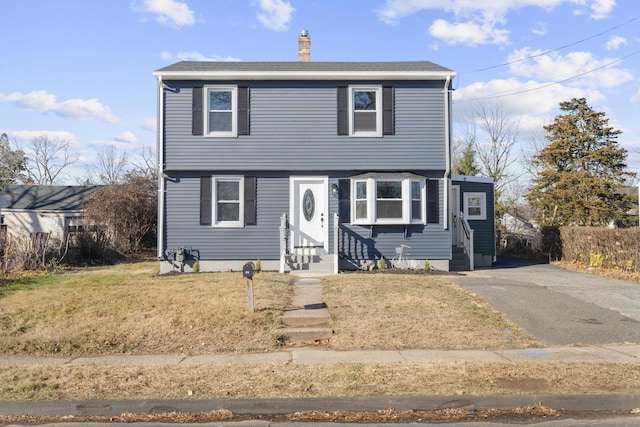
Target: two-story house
300	164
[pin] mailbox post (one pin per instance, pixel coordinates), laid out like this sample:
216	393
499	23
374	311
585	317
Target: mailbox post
247	271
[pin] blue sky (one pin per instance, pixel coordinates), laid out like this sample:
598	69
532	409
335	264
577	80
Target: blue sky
82	70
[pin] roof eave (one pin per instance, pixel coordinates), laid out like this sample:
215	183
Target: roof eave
304	75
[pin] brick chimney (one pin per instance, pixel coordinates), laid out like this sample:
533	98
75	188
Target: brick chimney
304	46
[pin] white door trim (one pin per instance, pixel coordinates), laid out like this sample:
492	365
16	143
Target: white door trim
295	221
455	215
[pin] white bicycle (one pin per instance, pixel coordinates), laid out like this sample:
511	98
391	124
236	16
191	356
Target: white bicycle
401	260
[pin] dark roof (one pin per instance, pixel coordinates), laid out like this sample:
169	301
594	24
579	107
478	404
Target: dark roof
221	70
46	197
407	66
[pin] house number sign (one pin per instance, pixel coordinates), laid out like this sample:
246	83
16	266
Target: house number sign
308	205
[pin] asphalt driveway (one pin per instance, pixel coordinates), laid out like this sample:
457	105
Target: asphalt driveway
558	306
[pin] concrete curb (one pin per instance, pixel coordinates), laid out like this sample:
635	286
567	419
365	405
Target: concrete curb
614	402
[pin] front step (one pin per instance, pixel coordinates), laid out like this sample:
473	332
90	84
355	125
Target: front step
308	319
309	264
459	261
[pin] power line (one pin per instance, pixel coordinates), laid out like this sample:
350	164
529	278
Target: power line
556	49
507	93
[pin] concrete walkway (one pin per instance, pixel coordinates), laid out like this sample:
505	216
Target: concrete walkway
310	356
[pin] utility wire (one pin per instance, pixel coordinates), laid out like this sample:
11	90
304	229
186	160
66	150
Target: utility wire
556	49
507	93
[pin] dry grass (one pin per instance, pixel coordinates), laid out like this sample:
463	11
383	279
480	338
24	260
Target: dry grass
612	273
262	381
129	308
390	311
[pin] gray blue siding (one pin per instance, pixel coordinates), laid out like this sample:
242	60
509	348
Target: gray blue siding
483	230
295	128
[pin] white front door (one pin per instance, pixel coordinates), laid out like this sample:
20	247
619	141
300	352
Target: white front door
455	215
308	215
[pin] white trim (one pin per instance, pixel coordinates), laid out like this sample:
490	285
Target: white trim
477	179
159	158
214	201
405	180
234	111
366	134
304	75
483	205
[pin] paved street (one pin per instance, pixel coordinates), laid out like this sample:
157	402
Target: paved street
558	306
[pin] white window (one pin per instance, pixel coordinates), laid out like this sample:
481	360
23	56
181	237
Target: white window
221	111
475	206
388	199
228	201
365	106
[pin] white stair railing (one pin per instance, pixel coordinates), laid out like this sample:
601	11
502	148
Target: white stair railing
284	237
467	239
336	244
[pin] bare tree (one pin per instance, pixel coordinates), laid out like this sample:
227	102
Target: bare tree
111	167
145	164
47	158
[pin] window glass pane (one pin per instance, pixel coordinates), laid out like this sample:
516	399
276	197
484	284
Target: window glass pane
364	100
474	211
416	194
228	190
389	190
388	209
361	190
361	209
416	209
219	100
364	121
228	211
220	122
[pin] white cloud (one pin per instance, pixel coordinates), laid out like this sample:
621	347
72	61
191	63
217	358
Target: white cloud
539	29
470	33
44	102
150	124
194	56
275	14
27	135
582	68
615	42
602	8
173	13
635	99
127	137
473	16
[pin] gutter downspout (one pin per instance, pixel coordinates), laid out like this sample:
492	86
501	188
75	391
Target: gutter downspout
447	143
160	156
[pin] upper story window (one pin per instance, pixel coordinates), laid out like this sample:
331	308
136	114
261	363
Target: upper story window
366	111
222	111
475	206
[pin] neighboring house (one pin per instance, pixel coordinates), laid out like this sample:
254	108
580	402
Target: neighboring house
46	209
310	164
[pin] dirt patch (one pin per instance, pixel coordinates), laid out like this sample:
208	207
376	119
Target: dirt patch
523	385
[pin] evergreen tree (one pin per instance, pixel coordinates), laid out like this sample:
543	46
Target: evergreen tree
465	163
13	163
580	170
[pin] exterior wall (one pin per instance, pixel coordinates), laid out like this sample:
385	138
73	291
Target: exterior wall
229	248
24	223
483	230
298	122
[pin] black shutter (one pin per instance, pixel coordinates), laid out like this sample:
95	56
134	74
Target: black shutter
433	202
343	111
344	200
243	110
197	116
205	200
250	214
388	121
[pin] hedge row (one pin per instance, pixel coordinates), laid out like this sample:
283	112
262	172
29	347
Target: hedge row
617	248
